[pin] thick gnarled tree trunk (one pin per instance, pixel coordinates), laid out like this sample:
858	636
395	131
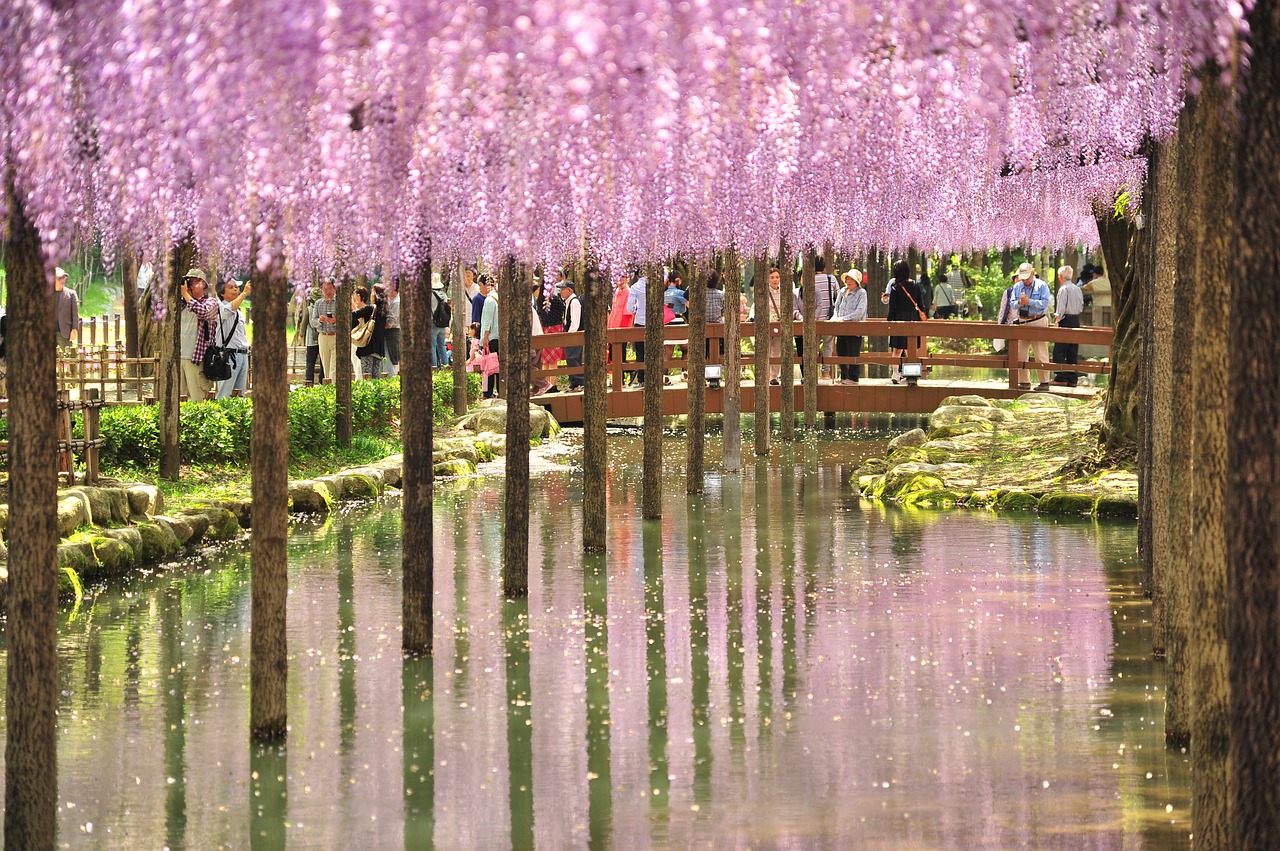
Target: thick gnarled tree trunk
1128	251
169	381
597	288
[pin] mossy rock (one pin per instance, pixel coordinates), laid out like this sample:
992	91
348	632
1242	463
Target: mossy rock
867	483
158	541
223	525
896	480
106	505
126	534
145	499
1116	505
873	467
1044	400
181	529
1065	503
1016	501
73	512
965	402
944	445
915	437
496	444
241	509
907	455
936	455
308	497
78	556
917	484
932	498
961	429
454	467
360	485
949	415
197	521
457	450
981	498
392	472
114	556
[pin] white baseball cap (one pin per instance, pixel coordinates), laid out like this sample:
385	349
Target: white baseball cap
59	272
1025	271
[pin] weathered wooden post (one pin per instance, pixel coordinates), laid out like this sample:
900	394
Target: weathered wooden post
696	428
268	650
31	670
514	350
812	342
787	309
732	371
342	362
654	373
461	340
417	430
760	283
597	291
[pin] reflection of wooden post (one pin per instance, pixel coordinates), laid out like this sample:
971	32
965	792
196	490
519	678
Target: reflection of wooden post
417	558
761	286
732	372
696	425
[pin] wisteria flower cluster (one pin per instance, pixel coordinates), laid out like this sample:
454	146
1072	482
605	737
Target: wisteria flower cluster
355	133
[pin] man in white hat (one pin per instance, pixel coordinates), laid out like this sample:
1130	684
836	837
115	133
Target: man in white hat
1031	298
66	310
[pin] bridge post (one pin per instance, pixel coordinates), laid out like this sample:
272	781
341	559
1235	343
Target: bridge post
786	321
654	373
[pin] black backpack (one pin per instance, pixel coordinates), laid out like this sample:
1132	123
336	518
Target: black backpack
442	313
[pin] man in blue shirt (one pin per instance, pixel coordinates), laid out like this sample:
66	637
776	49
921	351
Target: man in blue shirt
477	301
1031	297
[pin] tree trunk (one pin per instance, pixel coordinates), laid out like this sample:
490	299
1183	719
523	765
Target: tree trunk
1253	549
653	379
129	282
515	351
786	309
461	343
417	523
812	342
169	382
1127	252
31	696
597	290
506	279
760	286
342	362
1157	317
732	371
269	658
1215	199
696	428
1177	576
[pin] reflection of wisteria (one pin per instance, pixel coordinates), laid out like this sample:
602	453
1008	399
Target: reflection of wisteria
778	664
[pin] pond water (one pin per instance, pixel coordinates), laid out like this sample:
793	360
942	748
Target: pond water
778	664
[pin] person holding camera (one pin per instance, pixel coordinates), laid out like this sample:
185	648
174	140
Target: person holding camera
232	337
197	330
1029	299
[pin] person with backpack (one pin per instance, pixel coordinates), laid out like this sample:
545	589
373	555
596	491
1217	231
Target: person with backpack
441	318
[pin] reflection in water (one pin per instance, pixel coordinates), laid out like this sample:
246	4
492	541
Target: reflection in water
802	670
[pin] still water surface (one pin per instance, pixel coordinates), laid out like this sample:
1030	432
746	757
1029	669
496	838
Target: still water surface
779	664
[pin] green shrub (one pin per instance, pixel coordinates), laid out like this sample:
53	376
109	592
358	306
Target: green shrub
375	405
442	393
205	434
312	413
132	435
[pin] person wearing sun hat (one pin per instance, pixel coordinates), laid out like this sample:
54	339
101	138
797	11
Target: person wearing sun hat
1030	297
196	329
850	306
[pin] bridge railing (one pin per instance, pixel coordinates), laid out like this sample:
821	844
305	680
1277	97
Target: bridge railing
1018	340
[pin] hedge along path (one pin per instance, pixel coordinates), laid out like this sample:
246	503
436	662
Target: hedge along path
417	437
268	652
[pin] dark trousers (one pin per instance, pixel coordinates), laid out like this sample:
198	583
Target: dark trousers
849	347
1067	353
945	312
573	357
315	369
639	376
491	383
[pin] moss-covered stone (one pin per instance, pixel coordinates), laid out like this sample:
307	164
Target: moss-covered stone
917	484
961	429
931	498
936	455
908	454
915	437
107	506
1016	501
392	472
114	556
873	467
126	534
78	556
359	485
197	521
496	444
73	512
158	541
454	467
223	525
965	402
867	483
954	414
465	450
1117	505
145	499
181	529
1065	503
896	480
308	497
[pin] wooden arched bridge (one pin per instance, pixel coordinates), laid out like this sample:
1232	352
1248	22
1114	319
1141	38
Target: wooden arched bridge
869	395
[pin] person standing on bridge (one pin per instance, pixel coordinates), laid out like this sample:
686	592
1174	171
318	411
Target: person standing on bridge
1031	299
1070	306
635	306
851	306
572	324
